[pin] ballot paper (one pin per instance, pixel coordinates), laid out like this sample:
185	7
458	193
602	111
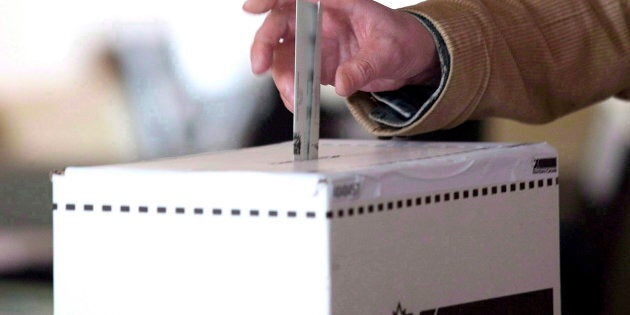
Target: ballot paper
370	227
307	81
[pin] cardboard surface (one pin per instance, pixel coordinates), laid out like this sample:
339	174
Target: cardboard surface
368	226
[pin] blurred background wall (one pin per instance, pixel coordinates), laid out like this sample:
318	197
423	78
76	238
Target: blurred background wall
97	82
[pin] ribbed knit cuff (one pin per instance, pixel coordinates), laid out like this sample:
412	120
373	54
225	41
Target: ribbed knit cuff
401	108
465	40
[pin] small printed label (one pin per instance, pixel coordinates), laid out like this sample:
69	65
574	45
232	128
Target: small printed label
347	190
545	165
535	302
400	310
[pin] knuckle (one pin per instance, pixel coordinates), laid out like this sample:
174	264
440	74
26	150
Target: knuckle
364	69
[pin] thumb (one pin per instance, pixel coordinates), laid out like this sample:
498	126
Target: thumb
355	73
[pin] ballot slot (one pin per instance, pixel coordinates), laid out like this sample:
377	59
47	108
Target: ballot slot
307	81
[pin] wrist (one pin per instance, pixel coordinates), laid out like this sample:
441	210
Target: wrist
425	50
430	75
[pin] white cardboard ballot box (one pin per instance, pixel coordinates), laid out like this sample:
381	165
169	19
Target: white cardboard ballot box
371	227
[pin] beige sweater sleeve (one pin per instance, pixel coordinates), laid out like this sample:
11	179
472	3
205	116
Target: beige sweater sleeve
529	60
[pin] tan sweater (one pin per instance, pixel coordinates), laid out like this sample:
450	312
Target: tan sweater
529	60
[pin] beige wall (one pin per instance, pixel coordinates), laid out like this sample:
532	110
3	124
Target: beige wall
568	135
49	124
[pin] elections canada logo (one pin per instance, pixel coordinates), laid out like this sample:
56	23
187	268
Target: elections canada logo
535	302
347	191
546	165
401	311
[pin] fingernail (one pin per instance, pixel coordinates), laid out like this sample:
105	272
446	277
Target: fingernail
255	65
340	87
290	95
286	103
341	83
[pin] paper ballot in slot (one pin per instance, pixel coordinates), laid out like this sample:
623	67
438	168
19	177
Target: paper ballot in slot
307	81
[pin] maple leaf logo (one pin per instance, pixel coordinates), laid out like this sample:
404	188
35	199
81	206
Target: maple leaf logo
401	311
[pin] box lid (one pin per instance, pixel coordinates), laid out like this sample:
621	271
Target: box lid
379	167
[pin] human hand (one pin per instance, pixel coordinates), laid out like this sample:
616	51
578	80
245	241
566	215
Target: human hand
364	46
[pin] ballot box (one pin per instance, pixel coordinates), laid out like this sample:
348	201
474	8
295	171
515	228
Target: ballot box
371	227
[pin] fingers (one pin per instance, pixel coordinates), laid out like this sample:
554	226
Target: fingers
358	72
262	6
277	25
258	6
282	73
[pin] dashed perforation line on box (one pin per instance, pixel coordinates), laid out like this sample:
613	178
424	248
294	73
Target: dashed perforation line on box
340	213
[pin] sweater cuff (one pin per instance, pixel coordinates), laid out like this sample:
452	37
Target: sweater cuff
463	86
402	107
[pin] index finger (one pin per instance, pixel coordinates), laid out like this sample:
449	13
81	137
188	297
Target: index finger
262	6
